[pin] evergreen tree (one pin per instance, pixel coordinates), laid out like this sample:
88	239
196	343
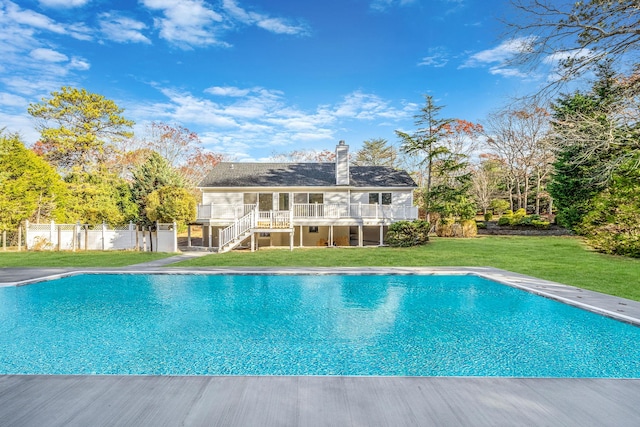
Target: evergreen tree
426	142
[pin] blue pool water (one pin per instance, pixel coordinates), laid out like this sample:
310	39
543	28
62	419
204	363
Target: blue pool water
304	325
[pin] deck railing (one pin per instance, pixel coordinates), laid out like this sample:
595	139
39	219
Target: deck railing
311	211
238	228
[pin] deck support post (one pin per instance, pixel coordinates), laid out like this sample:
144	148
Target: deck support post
381	235
253	242
360	236
301	240
291	240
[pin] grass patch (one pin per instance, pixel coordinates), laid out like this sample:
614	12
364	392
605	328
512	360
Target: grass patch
561	259
77	259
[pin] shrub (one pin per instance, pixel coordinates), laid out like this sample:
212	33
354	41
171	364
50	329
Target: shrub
499	206
504	220
518	216
537	223
481	225
408	233
488	216
451	228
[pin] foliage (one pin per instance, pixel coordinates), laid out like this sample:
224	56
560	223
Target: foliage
447	227
499	206
426	142
487	178
376	152
78	129
171	204
488	216
613	224
518	136
182	149
99	197
152	175
30	189
408	233
520	218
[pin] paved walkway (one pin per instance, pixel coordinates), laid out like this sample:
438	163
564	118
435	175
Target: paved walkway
58	400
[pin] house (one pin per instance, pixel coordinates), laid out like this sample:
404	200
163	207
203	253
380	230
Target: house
302	204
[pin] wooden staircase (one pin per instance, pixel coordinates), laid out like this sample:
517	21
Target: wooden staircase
253	222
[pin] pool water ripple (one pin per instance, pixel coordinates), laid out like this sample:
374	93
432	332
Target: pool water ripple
305	325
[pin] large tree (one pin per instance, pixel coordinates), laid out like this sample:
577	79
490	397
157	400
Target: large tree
155	173
377	152
79	130
597	139
99	196
518	135
426	143
577	35
30	189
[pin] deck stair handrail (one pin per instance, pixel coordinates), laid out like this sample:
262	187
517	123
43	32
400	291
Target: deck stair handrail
238	231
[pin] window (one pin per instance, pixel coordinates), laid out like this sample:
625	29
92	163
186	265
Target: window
313	229
316	198
379	198
250	198
283	201
301	198
264	235
265	201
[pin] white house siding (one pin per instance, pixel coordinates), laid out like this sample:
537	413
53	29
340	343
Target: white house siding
222	198
333	197
398	197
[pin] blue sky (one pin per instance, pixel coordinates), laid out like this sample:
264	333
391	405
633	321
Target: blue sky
257	77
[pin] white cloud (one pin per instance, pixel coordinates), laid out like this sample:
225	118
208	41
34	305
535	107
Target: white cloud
31	18
437	58
79	64
63	3
186	23
122	29
274	25
382	5
503	52
11	100
48	55
238	120
227	91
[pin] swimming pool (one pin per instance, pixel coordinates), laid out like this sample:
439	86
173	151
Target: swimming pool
305	325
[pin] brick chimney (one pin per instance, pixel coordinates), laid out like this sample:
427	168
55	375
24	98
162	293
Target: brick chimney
342	164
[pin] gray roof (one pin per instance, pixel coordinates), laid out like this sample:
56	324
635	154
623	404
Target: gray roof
227	174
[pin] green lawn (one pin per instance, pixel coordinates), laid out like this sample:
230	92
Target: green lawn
77	259
560	259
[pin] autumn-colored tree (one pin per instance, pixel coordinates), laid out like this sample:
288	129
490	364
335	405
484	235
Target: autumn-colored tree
78	129
182	149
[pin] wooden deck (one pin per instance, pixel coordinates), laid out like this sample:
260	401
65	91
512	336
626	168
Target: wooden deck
315	401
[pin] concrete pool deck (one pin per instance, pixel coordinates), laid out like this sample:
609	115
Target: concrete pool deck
57	400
